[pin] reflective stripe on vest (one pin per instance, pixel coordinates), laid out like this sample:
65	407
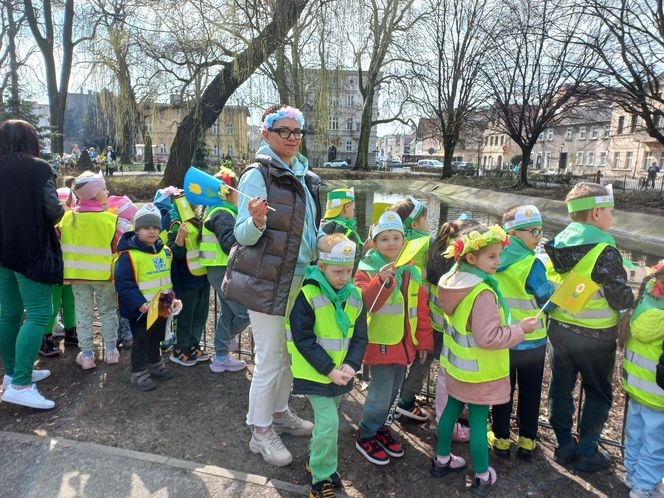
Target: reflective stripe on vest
462	358
211	252
386	325
152	272
435	311
328	334
193	251
512	281
596	314
86	239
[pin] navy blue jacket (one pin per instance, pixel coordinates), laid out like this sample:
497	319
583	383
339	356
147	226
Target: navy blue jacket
130	298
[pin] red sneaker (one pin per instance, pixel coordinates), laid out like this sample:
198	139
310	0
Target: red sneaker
372	451
391	446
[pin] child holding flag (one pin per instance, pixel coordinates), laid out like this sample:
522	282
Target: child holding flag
143	274
523	282
584	341
327	336
642	364
475	348
340	218
399	329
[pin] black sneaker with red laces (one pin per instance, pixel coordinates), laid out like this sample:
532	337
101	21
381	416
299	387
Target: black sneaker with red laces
372	451
391	446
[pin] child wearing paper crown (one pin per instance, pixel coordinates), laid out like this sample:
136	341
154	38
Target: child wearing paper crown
143	271
585	343
89	236
122	206
475	348
523	282
218	238
399	331
340	218
327	336
642	365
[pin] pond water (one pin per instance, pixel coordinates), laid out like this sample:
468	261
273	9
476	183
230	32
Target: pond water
438	212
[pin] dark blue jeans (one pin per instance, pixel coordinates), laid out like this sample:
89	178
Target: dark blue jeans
233	317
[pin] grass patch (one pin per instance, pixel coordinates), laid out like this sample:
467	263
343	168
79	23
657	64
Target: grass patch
137	188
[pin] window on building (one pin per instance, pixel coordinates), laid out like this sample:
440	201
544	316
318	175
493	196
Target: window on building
350	100
579	159
229	128
215	148
602	159
349	146
594	132
568	133
582	132
629	157
229	151
334	123
549	134
590	159
621	124
606	131
616	160
656	121
349	124
334	102
538	160
502	139
632	124
547	159
215	128
162	148
648	158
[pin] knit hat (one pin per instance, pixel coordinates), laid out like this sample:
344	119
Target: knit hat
122	206
524	217
336	200
147	216
342	253
389	220
87	187
65	193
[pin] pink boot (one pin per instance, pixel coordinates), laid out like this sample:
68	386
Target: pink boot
461	433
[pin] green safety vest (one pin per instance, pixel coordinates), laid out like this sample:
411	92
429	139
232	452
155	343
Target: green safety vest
641	358
193	250
328	334
512	282
596	314
462	358
420	259
152	272
385	326
86	238
211	252
435	310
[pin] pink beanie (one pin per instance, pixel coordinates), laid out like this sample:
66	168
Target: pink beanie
122	206
64	194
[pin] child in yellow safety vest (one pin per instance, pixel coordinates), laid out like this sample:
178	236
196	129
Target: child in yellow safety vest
190	284
88	237
643	380
585	342
399	331
340	218
475	348
523	282
142	272
326	337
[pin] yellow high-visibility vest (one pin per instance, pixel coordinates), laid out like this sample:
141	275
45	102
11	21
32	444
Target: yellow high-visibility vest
86	239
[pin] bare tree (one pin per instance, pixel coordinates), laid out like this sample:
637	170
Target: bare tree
538	72
630	45
447	72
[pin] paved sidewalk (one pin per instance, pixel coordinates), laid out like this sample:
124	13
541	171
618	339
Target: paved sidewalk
44	467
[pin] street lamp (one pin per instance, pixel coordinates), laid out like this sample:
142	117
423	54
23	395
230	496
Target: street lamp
561	165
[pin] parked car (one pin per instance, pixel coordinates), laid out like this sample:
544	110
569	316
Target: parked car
392	163
336	164
465	169
429	163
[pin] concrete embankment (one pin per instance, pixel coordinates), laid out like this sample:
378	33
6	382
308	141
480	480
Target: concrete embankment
634	231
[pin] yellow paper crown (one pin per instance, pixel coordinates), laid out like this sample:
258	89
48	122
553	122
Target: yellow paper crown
474	241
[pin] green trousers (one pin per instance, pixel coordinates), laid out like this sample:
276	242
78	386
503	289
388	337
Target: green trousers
20	344
62	296
324	444
477	419
190	323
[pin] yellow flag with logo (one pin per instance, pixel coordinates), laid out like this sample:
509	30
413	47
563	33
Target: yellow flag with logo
574	292
409	251
184	209
153	311
378	209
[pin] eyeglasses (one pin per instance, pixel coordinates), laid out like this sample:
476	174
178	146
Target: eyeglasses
286	133
535	232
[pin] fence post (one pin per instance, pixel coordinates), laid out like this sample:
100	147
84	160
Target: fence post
624	184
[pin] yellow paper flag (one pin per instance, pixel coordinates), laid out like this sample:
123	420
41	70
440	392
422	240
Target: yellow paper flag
186	213
409	250
153	311
378	209
574	292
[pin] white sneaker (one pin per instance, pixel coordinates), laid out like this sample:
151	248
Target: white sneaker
292	424
269	445
27	397
37	375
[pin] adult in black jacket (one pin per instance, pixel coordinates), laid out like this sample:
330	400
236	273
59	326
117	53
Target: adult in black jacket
30	259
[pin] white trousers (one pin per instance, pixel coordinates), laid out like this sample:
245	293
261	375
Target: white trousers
272	379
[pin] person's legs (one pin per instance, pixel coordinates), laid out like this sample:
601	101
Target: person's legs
200	314
634	435
379	399
141	346
11	314
183	329
324	444
57	300
650	466
501	414
84	300
448	420
479	448
68	308
155	336
441	392
413	382
530	371
106	307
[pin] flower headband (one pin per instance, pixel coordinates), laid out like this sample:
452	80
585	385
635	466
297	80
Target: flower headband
284	112
226	175
418	209
585	203
474	241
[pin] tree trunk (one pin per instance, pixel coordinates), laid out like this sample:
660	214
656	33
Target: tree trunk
224	85
362	157
523	170
448	148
